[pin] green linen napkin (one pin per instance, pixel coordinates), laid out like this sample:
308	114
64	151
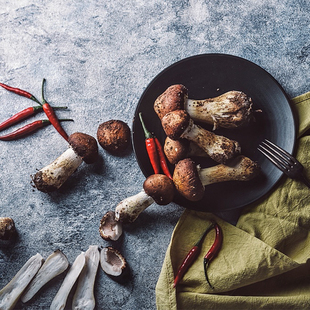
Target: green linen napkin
263	262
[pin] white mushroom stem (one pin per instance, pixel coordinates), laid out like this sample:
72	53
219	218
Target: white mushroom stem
84	298
54	175
60	299
217	147
10	294
130	208
54	265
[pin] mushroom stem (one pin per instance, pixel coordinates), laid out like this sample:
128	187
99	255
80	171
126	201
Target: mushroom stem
130	208
84	298
54	175
60	299
54	265
10	294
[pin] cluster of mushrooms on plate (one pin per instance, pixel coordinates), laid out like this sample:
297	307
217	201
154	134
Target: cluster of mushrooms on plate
184	139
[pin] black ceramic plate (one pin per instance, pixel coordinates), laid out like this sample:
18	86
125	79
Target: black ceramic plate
210	75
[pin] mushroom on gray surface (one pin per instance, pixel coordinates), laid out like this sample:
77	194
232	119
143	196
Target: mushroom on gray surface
114	136
82	147
229	110
10	294
7	228
156	188
112	262
175	150
84	298
178	124
190	180
110	228
54	265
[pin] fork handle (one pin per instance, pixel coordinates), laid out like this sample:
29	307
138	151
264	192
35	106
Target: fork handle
305	180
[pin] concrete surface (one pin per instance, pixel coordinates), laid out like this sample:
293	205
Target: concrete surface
98	57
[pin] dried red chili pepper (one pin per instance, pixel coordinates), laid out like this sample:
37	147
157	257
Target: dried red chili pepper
215	248
20	92
52	116
151	147
190	257
162	159
27	129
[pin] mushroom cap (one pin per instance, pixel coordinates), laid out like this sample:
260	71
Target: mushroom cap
84	146
187	181
112	261
175	150
110	228
7	228
173	98
160	188
174	123
114	136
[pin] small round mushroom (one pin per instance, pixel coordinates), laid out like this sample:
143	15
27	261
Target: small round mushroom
114	136
112	262
178	124
110	228
175	150
190	180
229	110
82	147
7	228
156	188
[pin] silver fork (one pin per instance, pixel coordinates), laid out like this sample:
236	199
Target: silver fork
284	161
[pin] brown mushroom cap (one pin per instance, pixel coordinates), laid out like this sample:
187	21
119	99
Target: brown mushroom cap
114	136
175	150
85	146
7	228
173	98
187	181
160	188
174	123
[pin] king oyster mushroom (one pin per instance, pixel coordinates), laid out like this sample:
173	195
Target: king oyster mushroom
82	147
110	228
175	150
84	298
156	188
178	124
60	299
54	265
112	262
229	110
190	180
7	228
10	294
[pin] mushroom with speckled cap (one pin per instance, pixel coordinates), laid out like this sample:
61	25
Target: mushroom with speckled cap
190	180
178	124
156	188
82	147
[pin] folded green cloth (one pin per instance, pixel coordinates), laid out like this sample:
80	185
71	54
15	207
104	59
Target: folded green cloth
263	262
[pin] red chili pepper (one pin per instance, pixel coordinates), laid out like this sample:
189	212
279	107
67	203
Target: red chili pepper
190	257
150	147
20	92
162	159
215	248
27	129
52	116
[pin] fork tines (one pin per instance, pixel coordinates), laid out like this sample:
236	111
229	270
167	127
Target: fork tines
279	157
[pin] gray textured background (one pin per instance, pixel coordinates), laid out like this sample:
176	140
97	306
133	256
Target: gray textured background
98	57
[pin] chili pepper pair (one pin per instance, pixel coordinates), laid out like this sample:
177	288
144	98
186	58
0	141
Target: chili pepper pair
195	250
155	151
26	113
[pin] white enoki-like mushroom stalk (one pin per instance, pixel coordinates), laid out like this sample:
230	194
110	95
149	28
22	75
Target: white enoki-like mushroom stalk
54	175
130	208
60	299
54	265
10	294
84	298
